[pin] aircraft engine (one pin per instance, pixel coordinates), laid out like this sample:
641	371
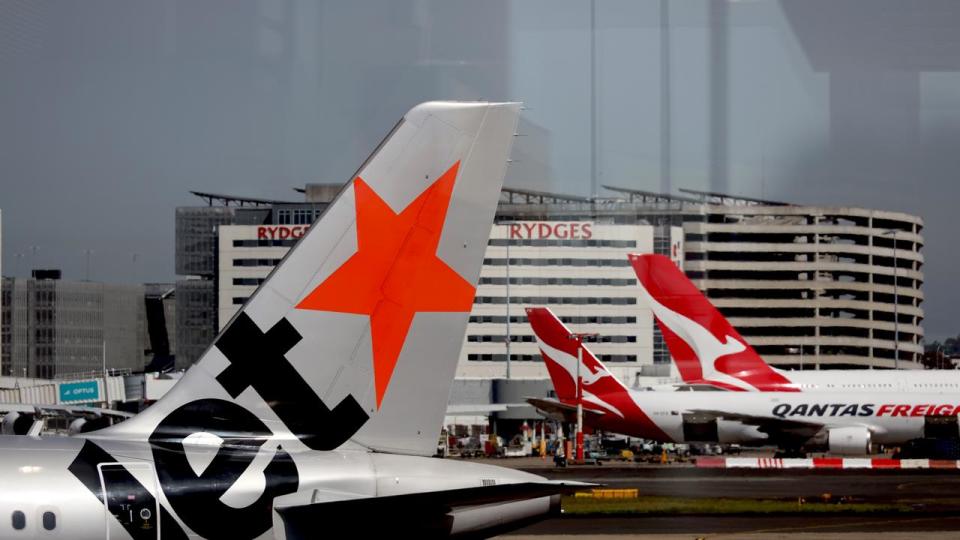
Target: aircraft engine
16	423
849	440
86	425
76	427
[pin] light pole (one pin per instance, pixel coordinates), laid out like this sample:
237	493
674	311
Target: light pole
88	252
508	241
578	337
896	303
103	360
508	303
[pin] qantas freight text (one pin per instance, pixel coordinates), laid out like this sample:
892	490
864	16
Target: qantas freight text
864	409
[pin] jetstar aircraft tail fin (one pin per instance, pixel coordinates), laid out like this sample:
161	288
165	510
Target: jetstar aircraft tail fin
356	334
559	353
707	349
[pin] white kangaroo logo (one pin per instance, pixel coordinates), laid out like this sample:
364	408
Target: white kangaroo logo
704	344
569	364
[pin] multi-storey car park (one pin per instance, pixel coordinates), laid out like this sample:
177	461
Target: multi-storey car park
808	286
829	287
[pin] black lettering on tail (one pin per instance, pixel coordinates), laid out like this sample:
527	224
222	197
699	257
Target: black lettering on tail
257	359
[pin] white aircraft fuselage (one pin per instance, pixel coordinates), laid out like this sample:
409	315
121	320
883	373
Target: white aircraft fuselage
874	380
65	477
792	419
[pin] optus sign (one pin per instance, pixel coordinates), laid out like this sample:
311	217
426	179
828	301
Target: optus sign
79	391
544	230
281	232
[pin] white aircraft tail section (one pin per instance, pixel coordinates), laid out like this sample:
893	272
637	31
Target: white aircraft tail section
356	334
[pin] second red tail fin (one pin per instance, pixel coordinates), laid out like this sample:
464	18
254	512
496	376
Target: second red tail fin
705	346
560	355
602	392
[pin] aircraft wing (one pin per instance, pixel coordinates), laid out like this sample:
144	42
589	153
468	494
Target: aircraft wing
425	514
780	430
75	410
556	410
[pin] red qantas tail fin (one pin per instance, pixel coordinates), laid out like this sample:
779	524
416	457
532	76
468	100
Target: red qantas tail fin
705	347
560	355
602	392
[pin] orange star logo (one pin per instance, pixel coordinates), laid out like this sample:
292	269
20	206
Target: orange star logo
395	271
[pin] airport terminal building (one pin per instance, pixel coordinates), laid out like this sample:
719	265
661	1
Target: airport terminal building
810	287
52	327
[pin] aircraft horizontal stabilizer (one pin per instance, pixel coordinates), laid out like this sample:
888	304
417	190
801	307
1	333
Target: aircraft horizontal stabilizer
561	411
419	515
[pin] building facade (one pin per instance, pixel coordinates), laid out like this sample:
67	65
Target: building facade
810	287
577	268
247	253
580	270
53	328
195	262
814	286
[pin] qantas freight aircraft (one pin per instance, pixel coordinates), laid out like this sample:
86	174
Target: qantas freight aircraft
312	412
709	353
794	421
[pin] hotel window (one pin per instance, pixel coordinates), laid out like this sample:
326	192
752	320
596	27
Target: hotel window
302	216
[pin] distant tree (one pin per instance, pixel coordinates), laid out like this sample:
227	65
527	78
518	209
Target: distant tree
949	346
936	359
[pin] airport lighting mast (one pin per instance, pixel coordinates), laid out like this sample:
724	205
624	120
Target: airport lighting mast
578	337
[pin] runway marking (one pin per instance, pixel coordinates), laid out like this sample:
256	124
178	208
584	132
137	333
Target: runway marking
828	526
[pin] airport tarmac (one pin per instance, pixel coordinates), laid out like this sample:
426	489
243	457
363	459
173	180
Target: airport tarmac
792	527
934	494
930	487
